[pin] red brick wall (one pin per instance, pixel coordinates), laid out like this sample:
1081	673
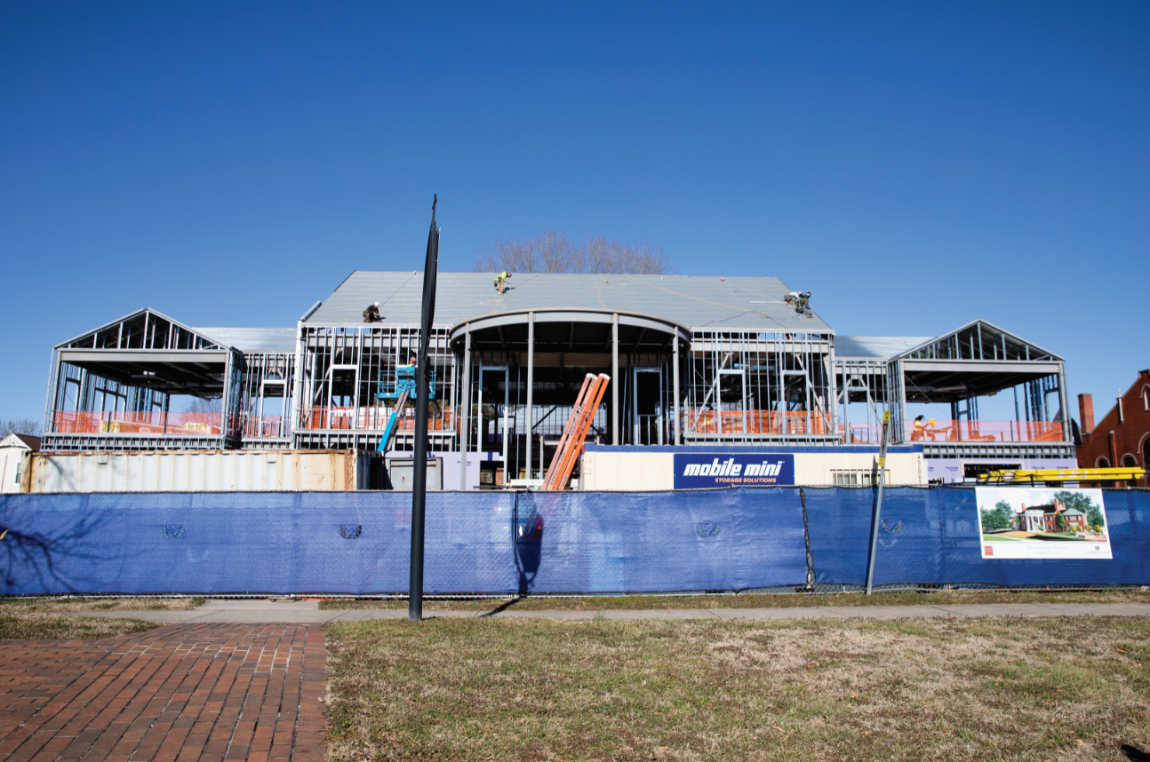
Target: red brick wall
1113	440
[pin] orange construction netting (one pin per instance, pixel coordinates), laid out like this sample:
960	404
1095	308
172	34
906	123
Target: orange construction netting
987	431
191	424
757	422
260	428
375	419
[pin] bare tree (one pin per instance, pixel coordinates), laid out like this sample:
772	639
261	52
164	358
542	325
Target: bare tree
202	405
553	252
19	426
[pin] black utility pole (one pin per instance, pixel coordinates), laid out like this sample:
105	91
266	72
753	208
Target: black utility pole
422	376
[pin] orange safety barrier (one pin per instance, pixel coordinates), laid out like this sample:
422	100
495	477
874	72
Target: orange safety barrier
375	419
190	424
987	431
736	422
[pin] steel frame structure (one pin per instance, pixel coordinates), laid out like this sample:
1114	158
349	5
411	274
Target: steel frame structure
957	368
111	388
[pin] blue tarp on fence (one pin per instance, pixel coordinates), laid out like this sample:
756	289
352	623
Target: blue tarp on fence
932	536
495	542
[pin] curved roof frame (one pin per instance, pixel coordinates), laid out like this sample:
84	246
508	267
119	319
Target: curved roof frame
601	317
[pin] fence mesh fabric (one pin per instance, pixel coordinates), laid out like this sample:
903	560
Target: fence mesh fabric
507	543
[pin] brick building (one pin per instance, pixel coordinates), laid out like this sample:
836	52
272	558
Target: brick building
1122	436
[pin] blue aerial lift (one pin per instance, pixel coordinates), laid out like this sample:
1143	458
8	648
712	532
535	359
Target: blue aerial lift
402	390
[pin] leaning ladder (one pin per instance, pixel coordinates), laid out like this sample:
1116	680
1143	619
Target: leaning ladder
575	432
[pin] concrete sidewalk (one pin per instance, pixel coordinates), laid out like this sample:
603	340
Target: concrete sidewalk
308	612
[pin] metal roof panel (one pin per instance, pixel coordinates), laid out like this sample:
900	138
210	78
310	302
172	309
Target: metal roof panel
253	339
875	347
700	302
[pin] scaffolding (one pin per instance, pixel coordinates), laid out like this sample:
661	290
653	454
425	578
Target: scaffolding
341	370
745	387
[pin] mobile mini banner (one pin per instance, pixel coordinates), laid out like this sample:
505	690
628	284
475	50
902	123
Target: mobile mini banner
701	470
1032	522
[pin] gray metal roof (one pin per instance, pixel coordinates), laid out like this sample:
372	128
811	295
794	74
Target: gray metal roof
875	347
706	302
253	339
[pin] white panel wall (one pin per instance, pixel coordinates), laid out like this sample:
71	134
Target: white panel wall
197	471
654	471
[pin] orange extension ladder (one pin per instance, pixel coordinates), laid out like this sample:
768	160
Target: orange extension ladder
575	432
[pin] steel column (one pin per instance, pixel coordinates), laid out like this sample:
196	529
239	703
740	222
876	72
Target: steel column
675	370
465	429
530	386
1062	401
615	378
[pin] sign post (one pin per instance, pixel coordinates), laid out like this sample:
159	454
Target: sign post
878	499
422	376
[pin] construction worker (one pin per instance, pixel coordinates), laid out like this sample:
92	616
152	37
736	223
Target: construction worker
799	300
371	314
501	281
919	429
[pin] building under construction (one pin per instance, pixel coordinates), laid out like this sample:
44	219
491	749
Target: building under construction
697	365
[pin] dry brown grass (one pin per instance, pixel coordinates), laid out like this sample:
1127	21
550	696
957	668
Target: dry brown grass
751	600
26	625
10	605
1005	689
47	618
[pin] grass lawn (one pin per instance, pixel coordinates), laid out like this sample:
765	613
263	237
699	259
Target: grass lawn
46	618
750	600
998	538
1004	689
68	603
25	625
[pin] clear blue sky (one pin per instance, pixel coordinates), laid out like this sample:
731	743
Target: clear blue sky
915	165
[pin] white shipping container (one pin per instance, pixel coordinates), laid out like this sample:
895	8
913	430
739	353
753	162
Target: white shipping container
199	471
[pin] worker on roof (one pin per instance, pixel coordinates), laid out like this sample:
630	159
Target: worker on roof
371	314
501	282
800	302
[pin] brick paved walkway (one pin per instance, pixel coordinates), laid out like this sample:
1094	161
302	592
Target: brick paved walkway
179	692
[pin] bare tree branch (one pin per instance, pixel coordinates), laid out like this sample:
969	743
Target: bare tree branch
553	252
18	426
201	405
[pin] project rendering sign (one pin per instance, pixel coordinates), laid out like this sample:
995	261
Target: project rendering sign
1026	522
701	470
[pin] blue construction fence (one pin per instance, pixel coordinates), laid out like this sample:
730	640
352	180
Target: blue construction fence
506	543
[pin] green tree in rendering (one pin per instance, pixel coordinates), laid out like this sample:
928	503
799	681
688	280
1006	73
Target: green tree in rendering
996	519
1094	516
1080	502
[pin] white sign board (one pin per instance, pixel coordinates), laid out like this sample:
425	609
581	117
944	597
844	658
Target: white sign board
1036	522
